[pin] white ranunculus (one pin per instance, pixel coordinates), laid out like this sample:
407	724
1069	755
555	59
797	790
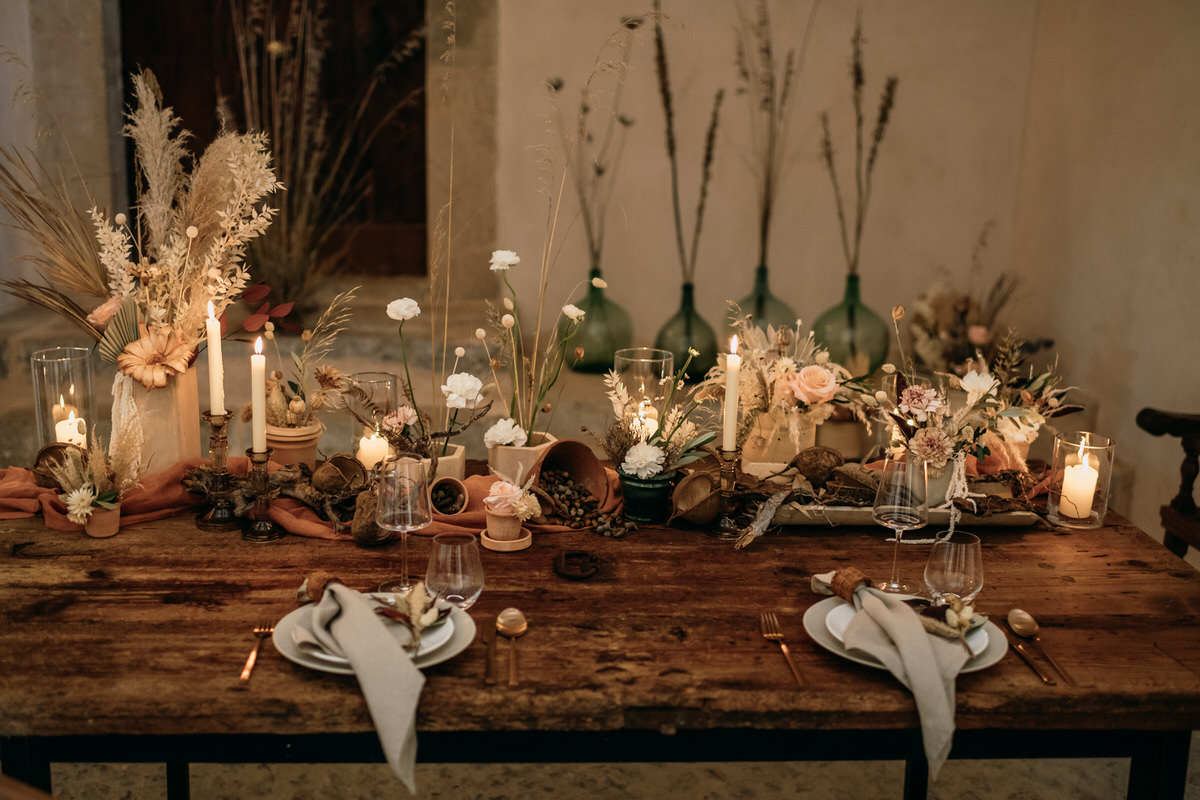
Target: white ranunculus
505	431
503	260
403	309
573	312
643	460
462	390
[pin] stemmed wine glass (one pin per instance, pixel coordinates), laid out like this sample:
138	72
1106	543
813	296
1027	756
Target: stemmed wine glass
402	505
900	504
955	567
455	572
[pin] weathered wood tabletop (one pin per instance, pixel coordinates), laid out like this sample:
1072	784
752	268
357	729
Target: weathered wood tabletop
144	634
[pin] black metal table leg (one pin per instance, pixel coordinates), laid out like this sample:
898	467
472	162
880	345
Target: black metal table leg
1158	769
19	759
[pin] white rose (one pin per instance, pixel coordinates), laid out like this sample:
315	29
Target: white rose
503	260
403	309
505	431
462	390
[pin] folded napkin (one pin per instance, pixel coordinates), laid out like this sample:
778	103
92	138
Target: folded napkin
886	628
344	622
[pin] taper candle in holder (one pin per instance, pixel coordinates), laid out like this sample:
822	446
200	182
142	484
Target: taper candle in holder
218	515
1079	479
726	526
259	527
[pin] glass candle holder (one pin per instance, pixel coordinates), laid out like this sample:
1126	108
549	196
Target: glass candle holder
62	394
647	373
382	390
1079	480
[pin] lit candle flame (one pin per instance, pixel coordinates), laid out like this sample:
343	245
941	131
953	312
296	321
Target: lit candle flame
212	312
733	345
258	346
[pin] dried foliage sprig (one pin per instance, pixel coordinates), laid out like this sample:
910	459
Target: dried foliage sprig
687	260
863	169
321	157
767	85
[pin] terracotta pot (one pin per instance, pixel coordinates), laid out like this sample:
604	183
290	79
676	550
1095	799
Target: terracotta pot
103	522
295	445
503	527
579	462
515	462
770	440
453	493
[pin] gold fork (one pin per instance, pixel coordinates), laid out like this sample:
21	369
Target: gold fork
771	632
262	632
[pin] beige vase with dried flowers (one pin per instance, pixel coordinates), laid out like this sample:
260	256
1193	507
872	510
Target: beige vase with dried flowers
168	418
770	440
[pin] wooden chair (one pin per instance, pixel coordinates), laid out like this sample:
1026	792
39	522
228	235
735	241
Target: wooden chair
1180	519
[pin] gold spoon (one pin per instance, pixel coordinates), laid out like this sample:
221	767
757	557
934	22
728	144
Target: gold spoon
511	624
1024	625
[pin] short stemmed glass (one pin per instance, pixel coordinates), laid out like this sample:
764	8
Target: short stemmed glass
455	572
900	504
402	505
955	567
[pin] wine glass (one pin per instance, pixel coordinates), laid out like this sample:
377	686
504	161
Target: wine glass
955	567
900	504
402	505
455	572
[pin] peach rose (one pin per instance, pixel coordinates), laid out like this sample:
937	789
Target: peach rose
814	384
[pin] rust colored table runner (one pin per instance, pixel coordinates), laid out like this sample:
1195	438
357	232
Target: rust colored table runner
129	649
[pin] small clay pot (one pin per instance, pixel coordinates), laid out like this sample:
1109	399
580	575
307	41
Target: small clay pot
448	495
503	527
103	522
579	462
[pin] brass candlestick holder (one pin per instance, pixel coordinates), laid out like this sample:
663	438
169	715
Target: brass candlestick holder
259	527
219	515
726	526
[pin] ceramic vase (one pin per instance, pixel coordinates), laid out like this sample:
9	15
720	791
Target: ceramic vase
514	462
770	439
103	522
503	527
295	445
647	500
168	418
452	462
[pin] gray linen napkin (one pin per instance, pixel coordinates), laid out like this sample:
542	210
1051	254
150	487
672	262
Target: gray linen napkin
890	631
344	622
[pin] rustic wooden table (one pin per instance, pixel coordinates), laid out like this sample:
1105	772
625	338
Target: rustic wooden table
129	649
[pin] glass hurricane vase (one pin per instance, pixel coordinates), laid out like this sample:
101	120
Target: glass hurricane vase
605	329
763	307
687	329
856	337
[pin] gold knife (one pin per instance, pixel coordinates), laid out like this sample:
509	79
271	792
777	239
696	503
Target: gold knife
1019	647
489	672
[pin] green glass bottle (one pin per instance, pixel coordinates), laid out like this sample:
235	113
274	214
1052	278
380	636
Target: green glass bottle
687	329
856	337
765	308
605	329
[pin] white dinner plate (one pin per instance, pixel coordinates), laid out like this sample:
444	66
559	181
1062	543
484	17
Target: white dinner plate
460	625
839	618
432	637
818	631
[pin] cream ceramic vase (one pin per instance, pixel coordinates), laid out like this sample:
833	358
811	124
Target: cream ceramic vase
514	462
295	445
453	462
770	440
169	418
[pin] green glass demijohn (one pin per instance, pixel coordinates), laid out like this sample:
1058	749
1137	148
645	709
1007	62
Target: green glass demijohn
856	337
605	329
687	329
763	307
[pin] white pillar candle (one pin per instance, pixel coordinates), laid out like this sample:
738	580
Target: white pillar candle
1078	488
72	430
216	365
258	398
733	366
371	450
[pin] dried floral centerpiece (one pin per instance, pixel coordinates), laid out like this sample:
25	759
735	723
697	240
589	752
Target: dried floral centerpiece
94	480
534	370
854	334
593	145
687	330
787	386
767	85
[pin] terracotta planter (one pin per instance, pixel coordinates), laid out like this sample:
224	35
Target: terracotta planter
770	440
295	445
503	527
515	462
448	495
579	462
103	522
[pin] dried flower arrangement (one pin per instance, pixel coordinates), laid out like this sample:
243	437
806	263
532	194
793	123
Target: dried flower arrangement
786	376
642	447
91	479
156	276
322	157
687	258
508	499
767	85
863	170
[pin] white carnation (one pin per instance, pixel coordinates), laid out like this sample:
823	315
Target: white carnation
643	460
462	390
503	260
504	432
